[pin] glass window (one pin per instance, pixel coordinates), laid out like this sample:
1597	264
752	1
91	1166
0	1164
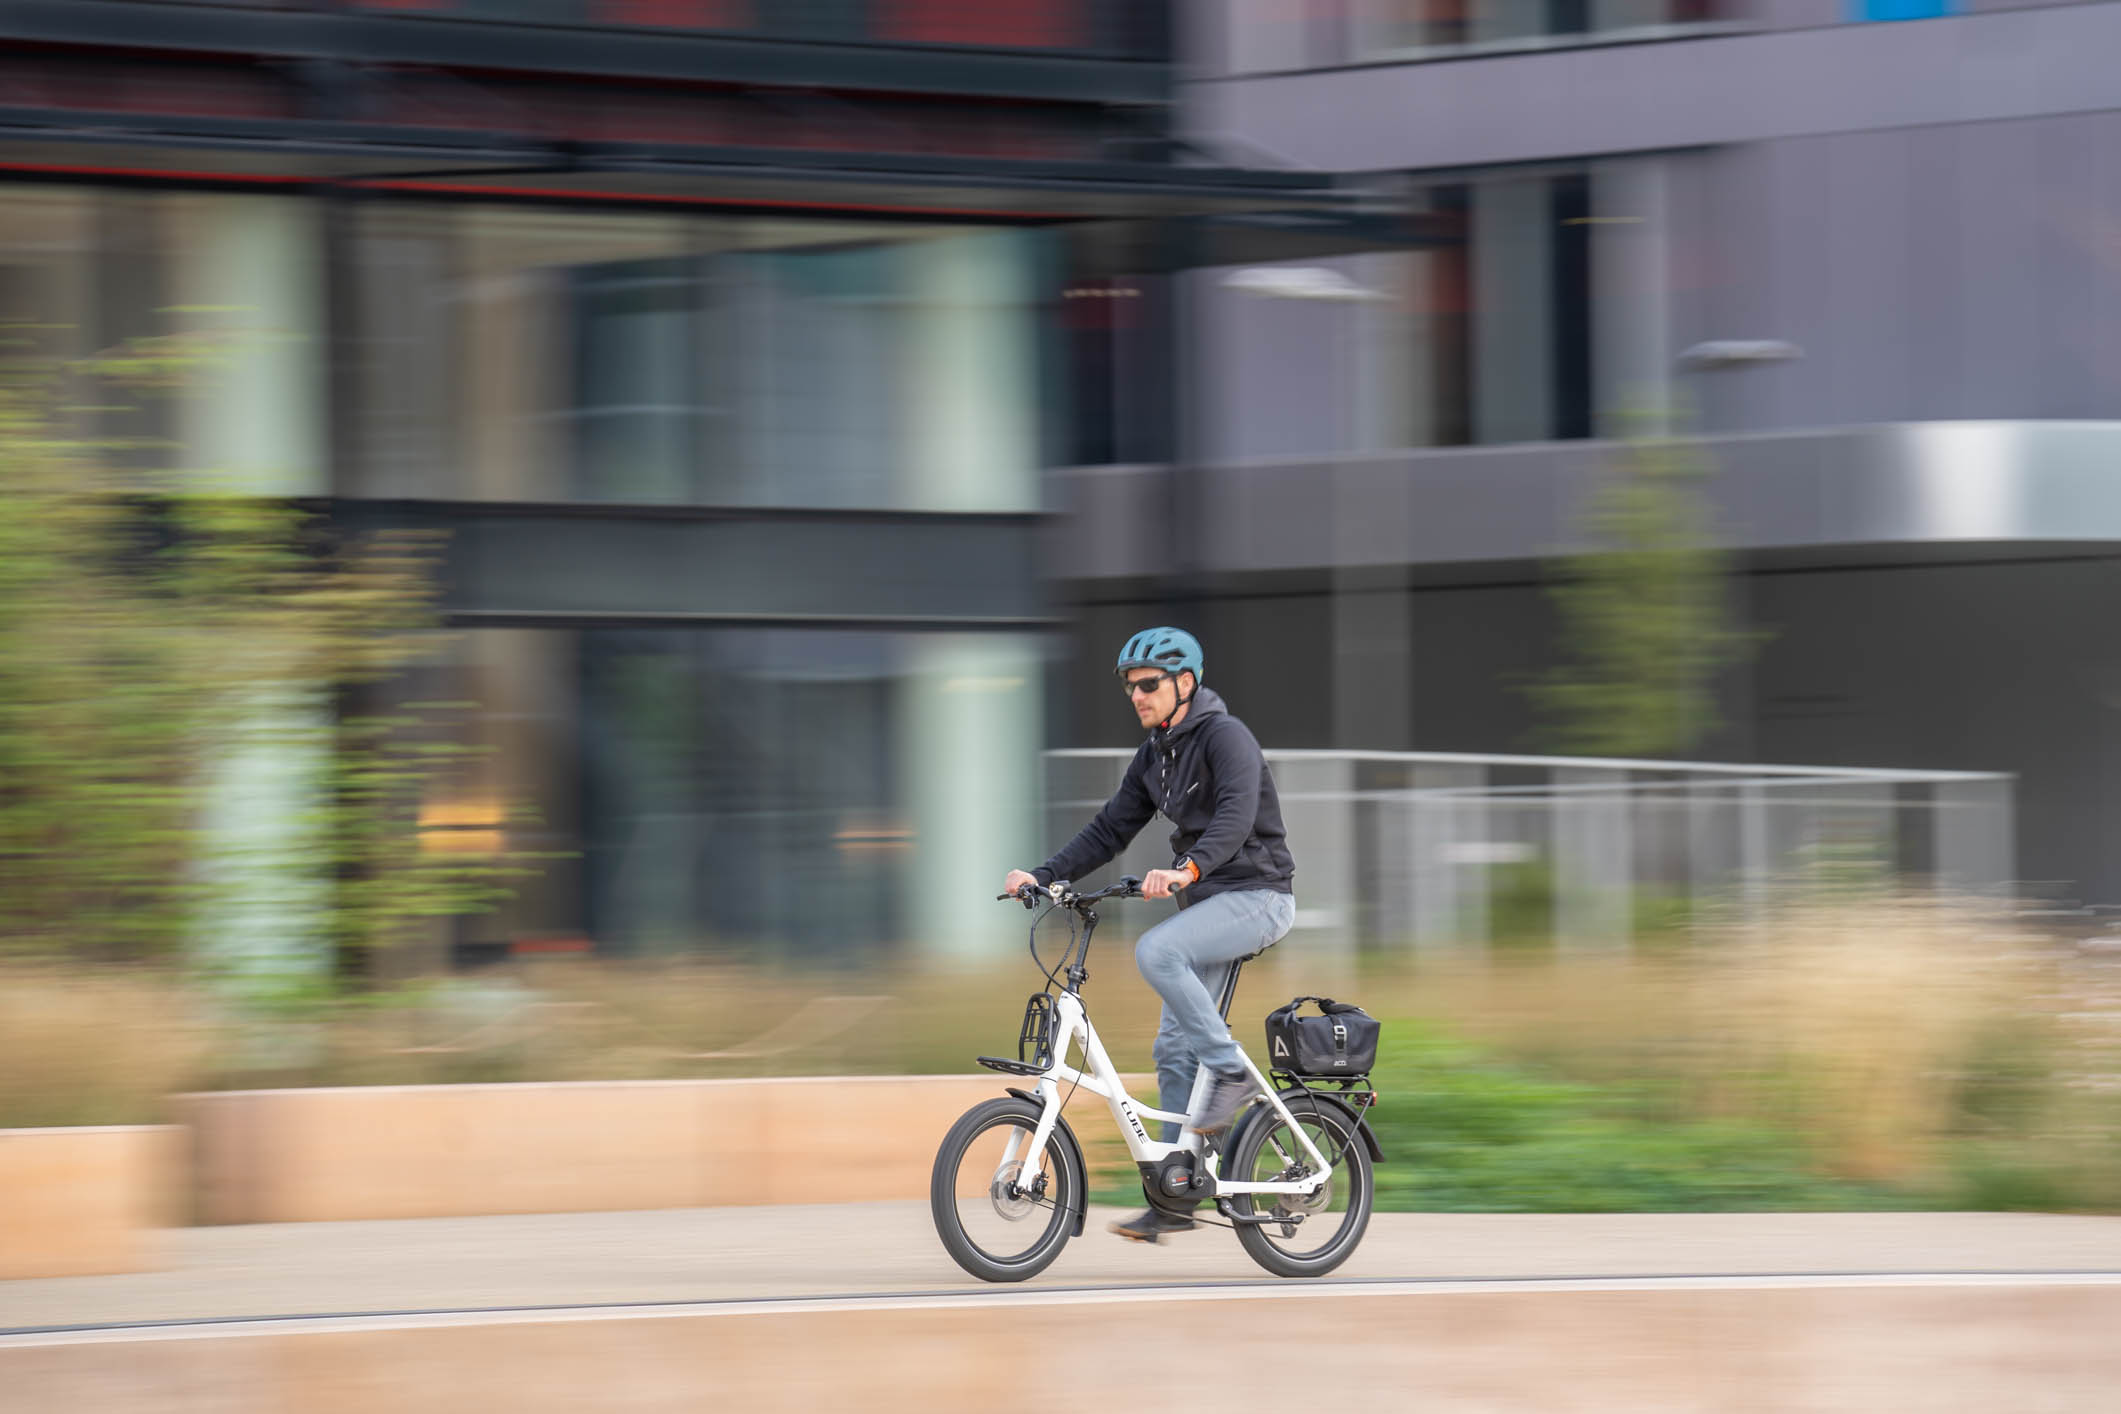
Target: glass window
1383	26
1484	335
1112	333
771	790
538	355
1266	36
83	271
1528	337
47	285
1275	35
1041	24
1003	24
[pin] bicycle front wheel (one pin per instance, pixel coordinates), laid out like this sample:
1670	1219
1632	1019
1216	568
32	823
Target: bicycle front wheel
1003	1212
1311	1234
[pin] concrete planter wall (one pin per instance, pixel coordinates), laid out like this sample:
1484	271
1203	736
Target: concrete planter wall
464	1150
85	1201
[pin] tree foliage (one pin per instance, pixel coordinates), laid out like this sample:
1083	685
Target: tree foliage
151	631
1643	617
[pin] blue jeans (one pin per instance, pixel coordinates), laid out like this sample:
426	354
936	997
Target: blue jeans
1187	958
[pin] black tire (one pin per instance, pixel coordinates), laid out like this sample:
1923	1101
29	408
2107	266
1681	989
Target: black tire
976	1225
1333	1223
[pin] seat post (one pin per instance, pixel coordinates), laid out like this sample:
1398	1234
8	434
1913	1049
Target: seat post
1230	987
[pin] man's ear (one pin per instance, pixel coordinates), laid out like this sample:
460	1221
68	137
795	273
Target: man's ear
1187	684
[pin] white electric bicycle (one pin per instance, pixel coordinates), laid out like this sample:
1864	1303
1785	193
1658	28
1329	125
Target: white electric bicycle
1292	1173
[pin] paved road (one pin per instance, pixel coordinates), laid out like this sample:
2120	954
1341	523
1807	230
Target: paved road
707	1254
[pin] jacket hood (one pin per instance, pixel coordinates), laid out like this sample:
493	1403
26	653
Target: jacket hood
1205	704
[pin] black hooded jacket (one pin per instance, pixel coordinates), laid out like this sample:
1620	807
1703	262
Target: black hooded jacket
1207	777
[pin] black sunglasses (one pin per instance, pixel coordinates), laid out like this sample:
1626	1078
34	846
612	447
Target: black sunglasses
1139	687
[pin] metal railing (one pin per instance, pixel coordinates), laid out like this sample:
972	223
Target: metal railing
1436	849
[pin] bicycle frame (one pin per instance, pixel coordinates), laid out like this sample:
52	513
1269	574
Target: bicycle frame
1071	1022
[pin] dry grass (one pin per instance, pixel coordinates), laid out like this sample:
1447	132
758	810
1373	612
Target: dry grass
100	1047
89	1047
1864	1025
1894	1037
1882	1031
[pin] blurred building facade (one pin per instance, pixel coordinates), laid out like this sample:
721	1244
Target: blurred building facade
814	392
1873	266
729	341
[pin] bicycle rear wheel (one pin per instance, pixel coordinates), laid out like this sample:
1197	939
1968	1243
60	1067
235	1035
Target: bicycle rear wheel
1314	1233
1004	1213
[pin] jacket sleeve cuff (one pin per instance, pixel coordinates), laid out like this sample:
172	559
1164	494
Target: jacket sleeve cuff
1044	876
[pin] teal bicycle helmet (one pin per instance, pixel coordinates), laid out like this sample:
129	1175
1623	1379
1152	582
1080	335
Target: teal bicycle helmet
1172	649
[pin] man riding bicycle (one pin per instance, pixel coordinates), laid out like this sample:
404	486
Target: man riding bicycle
1231	874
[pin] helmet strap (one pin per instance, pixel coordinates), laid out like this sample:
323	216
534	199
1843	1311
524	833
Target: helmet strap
1182	703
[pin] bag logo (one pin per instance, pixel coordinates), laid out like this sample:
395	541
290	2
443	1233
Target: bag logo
1281	1047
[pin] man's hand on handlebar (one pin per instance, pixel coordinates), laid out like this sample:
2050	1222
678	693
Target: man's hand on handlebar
1160	883
1016	883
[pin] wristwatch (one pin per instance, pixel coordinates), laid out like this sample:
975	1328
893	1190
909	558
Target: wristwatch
1187	866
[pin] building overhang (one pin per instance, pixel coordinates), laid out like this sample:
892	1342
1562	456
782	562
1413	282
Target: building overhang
295	156
568	104
512	564
1896	493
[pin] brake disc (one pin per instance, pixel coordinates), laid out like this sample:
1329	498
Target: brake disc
1014	1203
1316	1201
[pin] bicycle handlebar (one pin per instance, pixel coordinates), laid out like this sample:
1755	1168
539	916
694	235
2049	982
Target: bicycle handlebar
1064	895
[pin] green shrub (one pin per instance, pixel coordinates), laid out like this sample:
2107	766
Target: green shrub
1463	1133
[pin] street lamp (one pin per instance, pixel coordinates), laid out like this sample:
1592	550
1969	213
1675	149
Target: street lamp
1736	353
1305	282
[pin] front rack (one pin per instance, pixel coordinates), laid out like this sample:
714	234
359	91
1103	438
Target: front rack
1034	1041
1036	1036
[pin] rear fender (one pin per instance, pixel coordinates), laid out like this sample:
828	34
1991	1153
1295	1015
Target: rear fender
1298	1101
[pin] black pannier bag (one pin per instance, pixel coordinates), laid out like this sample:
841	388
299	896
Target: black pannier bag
1342	1041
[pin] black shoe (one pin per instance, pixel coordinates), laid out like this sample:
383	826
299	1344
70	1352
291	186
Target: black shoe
1151	1226
1222	1102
